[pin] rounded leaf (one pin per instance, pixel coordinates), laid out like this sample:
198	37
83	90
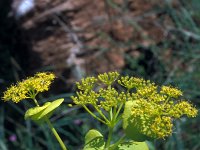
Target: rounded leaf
50	108
130	127
34	112
94	140
38	113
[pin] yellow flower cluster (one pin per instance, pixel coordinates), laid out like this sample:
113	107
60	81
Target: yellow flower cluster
131	82
161	127
87	83
170	91
154	107
109	98
150	120
108	78
86	97
146	91
29	88
15	94
183	108
105	98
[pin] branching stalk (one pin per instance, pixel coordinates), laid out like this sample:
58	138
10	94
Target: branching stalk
93	115
118	111
100	112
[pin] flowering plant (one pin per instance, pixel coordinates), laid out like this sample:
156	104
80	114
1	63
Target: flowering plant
145	110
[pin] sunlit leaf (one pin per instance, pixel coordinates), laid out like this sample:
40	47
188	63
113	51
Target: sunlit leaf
38	113
34	112
132	146
129	127
50	108
94	140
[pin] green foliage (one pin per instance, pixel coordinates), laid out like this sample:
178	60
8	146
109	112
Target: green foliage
94	140
131	145
50	108
40	113
131	128
34	113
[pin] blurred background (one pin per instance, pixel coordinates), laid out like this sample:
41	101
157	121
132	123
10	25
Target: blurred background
153	39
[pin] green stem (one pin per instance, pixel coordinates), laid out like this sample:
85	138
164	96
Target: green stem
56	134
167	100
118	118
111	114
118	111
114	114
93	115
117	143
100	112
109	137
52	128
35	101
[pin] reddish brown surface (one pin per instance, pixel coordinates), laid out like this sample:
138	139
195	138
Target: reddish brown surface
92	35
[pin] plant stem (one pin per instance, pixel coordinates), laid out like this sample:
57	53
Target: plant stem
56	134
109	136
117	143
35	101
100	112
167	100
118	111
93	115
52	128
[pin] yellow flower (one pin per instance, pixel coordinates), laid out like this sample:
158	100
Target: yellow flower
171	91
109	98
161	127
183	108
86	84
152	113
29	88
86	97
131	82
152	109
108	78
15	94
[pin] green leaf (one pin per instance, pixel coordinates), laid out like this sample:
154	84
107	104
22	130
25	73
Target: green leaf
130	127
132	146
34	112
50	108
38	113
94	140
